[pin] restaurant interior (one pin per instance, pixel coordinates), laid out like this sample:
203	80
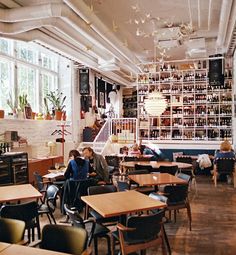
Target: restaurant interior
117	127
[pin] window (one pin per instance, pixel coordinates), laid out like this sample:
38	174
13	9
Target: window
6	84
26	77
49	62
49	83
6	46
24	52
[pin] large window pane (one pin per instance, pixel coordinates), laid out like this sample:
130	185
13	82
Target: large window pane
24	52
26	79
6	46
49	83
49	62
6	85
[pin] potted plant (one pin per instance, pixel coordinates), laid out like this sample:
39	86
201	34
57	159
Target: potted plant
47	115
11	104
57	100
23	102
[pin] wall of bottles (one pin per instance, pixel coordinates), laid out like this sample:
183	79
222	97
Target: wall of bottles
196	110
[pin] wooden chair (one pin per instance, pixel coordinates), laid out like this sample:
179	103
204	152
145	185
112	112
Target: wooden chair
27	212
49	206
96	230
12	231
66	239
223	166
168	169
140	233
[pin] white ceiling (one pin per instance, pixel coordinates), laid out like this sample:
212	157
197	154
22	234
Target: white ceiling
121	34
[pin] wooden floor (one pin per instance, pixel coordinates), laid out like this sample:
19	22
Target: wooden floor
213	227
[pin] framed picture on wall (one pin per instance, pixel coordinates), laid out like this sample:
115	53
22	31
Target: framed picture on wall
101	99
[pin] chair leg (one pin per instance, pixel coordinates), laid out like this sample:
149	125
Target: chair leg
51	214
189	216
49	218
32	234
165	240
175	216
113	242
108	244
29	239
95	241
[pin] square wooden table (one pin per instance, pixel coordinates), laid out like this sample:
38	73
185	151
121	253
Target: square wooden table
156	179
3	246
121	203
25	250
18	192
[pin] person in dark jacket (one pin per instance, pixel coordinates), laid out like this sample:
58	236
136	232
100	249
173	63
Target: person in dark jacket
98	166
77	168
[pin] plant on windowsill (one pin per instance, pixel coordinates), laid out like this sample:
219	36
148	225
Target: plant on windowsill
47	115
23	102
57	100
11	104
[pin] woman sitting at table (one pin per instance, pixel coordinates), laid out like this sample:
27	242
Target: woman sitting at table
135	150
77	168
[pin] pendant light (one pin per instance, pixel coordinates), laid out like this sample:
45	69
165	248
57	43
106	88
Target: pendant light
155	103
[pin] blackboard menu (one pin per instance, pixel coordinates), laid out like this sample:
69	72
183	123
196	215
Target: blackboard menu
216	74
84	81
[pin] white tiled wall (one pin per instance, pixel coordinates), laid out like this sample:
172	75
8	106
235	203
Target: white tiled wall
37	133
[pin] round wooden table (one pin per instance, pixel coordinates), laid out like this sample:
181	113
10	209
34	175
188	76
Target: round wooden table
154	164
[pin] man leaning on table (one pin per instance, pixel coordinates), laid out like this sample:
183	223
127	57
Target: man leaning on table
98	166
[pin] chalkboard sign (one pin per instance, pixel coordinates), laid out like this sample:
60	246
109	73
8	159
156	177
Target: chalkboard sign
84	81
216	75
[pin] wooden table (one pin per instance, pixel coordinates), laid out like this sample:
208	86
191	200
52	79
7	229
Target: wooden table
121	203
53	174
3	246
156	179
14	249
18	192
155	164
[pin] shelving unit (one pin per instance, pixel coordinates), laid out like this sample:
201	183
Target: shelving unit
130	104
14	168
196	110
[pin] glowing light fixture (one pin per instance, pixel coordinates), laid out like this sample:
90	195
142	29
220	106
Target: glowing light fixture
155	104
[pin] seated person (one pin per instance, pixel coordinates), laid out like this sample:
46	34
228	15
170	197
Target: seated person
77	168
135	150
149	151
125	150
225	151
98	166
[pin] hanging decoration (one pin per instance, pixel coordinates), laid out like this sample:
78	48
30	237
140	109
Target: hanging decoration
155	103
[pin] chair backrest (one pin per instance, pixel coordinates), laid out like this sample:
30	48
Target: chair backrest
130	158
138	172
11	230
184	159
39	181
123	186
25	212
74	216
93	190
225	165
73	190
66	239
185	177
176	194
143	167
146	227
113	161
168	169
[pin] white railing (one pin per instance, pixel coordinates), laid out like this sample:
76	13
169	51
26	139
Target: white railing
104	133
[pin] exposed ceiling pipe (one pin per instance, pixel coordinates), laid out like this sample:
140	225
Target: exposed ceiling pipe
223	22
63	11
64	49
97	25
231	27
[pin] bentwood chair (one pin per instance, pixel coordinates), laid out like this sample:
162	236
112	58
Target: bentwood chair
96	230
140	233
12	231
223	166
49	206
27	212
68	239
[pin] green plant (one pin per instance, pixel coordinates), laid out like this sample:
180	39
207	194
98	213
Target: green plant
57	99
23	102
46	105
10	103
